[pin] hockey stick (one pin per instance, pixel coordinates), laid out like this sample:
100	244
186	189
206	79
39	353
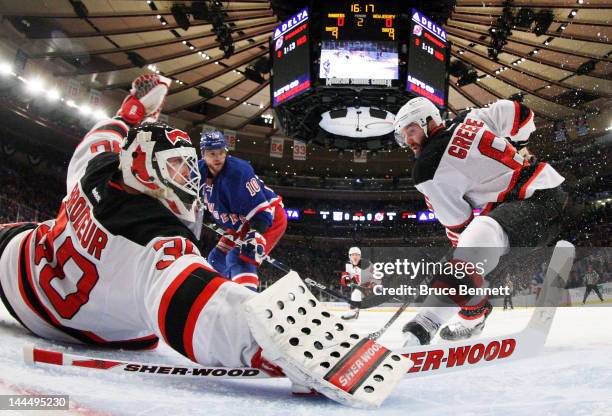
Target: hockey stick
428	360
438	359
34	355
283	267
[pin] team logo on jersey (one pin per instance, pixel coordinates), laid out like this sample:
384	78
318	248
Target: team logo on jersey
175	135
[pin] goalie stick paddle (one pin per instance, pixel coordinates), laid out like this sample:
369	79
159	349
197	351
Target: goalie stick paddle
439	359
35	355
428	360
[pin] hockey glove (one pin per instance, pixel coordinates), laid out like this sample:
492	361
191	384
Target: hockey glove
345	278
146	99
252	249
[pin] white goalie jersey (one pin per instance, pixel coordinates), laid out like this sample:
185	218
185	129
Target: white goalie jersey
118	269
473	164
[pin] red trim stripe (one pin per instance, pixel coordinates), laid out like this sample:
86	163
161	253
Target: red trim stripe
521	124
169	293
194	313
462	225
115	185
248	279
21	277
517	115
434	40
26	252
49	357
356	375
110	123
487	208
538	170
515	176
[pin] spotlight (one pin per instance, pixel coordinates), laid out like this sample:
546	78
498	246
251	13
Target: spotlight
35	85
6	68
53	95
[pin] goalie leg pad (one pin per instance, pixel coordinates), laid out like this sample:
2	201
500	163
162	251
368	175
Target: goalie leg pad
319	350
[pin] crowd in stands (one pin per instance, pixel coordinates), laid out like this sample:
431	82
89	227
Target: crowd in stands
26	193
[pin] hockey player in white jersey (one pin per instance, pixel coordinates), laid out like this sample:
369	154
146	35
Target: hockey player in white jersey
119	267
468	164
357	274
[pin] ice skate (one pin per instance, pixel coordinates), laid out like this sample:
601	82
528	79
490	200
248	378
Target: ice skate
469	324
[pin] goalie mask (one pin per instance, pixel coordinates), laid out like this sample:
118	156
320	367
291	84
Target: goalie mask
160	161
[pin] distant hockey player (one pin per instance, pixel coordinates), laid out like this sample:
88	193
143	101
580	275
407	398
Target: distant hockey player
471	163
244	206
591	279
358	276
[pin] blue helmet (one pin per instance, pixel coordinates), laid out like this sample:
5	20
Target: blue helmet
212	140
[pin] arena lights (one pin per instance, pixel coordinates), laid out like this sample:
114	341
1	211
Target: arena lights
35	85
53	95
85	110
6	68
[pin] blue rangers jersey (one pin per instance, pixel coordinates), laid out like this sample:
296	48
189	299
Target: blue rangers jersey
236	196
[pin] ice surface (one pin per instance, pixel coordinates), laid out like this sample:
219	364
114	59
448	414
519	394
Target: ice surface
572	377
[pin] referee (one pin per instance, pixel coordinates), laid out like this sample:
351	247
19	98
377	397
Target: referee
591	278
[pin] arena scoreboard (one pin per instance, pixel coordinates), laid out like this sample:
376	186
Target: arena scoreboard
291	58
360	21
359	44
427	59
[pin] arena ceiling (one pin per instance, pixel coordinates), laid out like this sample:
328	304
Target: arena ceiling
562	73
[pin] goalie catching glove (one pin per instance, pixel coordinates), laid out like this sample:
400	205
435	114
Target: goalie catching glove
146	99
253	248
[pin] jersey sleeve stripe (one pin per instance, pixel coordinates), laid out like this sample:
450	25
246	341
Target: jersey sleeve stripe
538	170
167	297
263	206
525	120
515	176
181	304
245	278
114	127
517	115
195	311
460	227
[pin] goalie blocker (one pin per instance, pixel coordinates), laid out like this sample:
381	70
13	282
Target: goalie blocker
319	350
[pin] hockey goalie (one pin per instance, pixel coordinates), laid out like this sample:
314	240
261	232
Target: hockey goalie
119	267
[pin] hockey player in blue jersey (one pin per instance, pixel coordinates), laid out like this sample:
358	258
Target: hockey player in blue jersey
239	202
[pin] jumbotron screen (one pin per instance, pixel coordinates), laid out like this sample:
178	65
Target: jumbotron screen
291	58
359	44
427	59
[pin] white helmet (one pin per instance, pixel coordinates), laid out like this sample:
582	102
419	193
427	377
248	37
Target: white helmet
418	110
354	250
160	161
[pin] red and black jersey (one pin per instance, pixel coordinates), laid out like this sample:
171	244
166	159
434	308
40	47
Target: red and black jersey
471	164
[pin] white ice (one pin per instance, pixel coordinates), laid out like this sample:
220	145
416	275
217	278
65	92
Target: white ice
572	377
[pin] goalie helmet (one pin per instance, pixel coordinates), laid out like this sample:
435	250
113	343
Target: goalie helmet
418	110
160	161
